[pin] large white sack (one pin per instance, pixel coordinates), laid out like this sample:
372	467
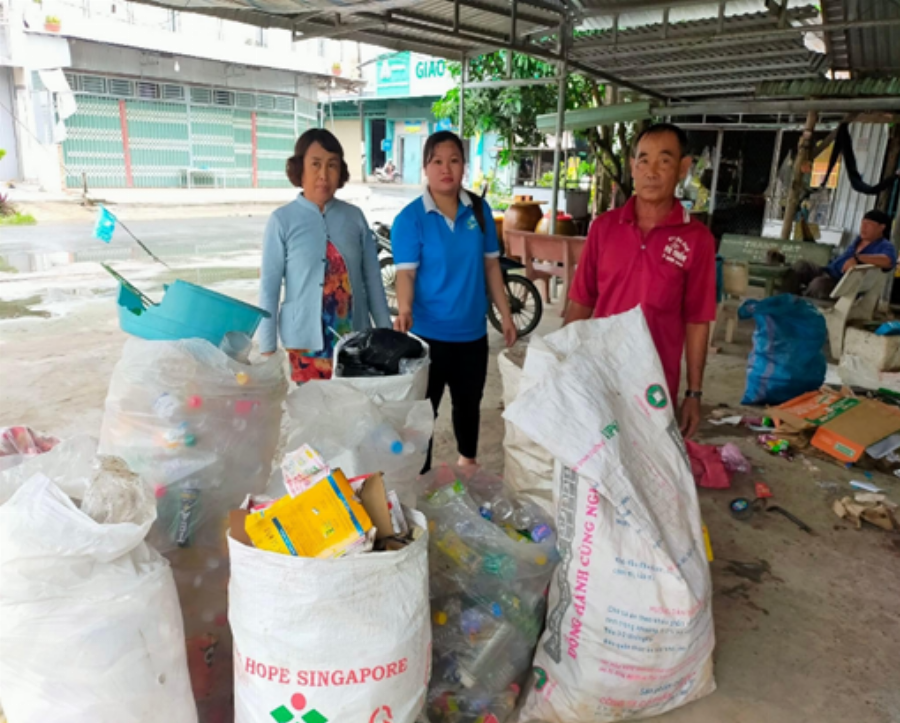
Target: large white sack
629	628
90	626
360	435
527	467
349	638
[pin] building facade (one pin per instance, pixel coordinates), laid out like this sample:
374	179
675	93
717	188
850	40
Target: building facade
129	95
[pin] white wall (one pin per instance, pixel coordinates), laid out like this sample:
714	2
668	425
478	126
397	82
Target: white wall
349	133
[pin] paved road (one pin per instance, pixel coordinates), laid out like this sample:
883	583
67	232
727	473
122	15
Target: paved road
27	248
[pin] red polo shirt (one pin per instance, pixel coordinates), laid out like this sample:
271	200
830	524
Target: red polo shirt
670	273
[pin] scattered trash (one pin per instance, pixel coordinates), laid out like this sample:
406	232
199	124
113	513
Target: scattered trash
733	459
762	490
19	443
828	485
867	486
379	353
743	508
733	421
840	425
796	520
707	466
776	446
857	511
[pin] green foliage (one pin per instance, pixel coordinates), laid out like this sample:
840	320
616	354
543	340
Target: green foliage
511	112
18	219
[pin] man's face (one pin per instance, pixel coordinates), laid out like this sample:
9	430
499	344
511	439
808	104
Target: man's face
870	230
658	166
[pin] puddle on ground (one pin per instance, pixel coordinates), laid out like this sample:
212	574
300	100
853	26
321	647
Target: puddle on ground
21	307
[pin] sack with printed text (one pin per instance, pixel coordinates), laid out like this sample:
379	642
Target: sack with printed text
318	640
629	624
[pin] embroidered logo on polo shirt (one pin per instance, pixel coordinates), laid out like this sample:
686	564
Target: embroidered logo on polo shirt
472	223
676	251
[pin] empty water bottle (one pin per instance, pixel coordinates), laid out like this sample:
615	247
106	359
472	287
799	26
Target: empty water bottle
453	547
491	661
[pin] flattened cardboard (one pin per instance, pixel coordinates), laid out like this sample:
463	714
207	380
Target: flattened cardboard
842	426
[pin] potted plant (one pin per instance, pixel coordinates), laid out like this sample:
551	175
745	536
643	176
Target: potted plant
52	24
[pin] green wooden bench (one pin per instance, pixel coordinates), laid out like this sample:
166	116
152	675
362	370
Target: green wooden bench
754	249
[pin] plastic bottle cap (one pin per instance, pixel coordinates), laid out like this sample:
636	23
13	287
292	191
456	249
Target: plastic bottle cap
190	440
397	447
195	401
242	378
496	610
440	618
541	559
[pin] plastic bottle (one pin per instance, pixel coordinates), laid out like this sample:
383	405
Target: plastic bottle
385	438
453	547
491	666
500	565
444	494
522	519
237	345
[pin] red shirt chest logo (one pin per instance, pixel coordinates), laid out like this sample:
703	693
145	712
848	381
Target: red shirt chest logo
676	251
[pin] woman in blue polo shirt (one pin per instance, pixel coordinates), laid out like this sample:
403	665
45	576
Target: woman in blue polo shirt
446	266
321	249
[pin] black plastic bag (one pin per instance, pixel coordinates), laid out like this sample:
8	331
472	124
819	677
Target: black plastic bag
377	353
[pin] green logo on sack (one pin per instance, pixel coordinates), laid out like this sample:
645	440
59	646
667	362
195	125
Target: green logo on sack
540	678
283	714
656	396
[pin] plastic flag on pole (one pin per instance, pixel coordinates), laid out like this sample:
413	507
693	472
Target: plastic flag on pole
105	225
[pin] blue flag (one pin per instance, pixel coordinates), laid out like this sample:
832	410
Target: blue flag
105	225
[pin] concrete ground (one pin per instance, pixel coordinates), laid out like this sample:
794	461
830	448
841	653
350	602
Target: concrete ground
814	640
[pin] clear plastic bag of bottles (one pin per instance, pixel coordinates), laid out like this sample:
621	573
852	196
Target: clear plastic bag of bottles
492	554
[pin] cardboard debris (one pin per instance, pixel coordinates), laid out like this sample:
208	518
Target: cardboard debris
840	425
857	512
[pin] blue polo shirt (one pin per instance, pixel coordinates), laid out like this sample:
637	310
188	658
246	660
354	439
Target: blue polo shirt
450	302
882	247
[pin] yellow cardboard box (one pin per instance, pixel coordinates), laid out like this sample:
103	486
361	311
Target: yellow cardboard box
324	521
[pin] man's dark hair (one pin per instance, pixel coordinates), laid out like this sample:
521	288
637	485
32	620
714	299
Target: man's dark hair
294	166
879	217
435	139
660	128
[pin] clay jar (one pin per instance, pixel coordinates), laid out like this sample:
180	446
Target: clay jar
565	226
523	215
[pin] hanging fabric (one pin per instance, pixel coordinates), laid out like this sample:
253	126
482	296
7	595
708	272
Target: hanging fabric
843	144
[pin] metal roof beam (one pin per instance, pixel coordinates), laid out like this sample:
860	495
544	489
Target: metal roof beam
774	107
674	49
512	83
307	31
440	24
739	78
625	6
523	15
738	73
713	59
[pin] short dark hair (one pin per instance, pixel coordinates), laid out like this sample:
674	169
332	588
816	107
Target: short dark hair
879	217
435	139
660	128
294	166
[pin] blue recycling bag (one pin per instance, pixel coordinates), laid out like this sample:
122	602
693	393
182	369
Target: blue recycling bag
787	358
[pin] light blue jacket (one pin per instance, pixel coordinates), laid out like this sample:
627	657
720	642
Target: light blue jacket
294	253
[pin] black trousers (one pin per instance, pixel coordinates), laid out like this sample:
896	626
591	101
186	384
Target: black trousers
462	366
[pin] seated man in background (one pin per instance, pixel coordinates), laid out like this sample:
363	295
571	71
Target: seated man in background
870	247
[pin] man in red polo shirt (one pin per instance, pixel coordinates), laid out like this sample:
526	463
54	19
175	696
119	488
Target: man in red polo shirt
651	253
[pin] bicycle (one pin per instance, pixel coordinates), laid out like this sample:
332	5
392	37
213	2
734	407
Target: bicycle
525	303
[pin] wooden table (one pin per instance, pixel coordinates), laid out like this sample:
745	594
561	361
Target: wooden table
545	256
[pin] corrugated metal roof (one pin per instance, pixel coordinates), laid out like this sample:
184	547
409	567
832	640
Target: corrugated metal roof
864	52
830	88
706	57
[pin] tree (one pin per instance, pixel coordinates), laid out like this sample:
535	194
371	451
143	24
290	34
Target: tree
512	112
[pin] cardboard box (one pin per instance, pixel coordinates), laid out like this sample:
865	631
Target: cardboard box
324	521
841	426
371	512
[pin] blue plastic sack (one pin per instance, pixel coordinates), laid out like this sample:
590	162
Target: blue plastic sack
787	358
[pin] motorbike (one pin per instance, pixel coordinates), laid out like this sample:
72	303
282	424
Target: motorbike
383	175
524	299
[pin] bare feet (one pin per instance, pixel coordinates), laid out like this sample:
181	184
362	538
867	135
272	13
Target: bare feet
466	462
